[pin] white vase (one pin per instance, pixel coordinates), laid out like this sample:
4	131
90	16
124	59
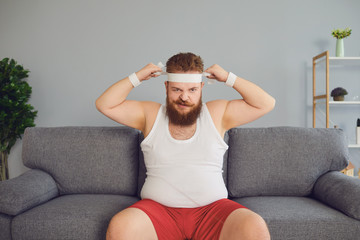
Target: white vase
340	47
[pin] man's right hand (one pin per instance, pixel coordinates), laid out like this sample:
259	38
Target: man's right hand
148	72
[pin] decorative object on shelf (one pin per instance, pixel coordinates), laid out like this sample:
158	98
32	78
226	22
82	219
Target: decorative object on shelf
340	34
349	170
15	113
338	93
358	131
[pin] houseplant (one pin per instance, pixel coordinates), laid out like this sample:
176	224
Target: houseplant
15	113
338	93
340	34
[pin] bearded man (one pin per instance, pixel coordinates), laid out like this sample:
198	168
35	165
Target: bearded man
184	195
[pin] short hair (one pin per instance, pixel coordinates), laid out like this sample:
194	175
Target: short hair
183	62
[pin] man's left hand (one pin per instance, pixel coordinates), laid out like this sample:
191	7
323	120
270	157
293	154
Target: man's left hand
217	73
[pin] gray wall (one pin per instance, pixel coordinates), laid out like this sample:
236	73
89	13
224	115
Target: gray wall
75	49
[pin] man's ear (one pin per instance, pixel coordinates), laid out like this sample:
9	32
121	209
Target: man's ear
166	86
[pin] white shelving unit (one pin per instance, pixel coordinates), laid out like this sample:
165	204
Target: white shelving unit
319	99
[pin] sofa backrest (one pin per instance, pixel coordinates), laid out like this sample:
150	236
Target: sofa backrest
260	161
283	161
100	160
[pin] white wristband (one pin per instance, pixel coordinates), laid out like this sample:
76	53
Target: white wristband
231	79
134	80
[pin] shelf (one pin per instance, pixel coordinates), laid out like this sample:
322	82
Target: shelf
339	102
354	145
344	58
341	61
344	102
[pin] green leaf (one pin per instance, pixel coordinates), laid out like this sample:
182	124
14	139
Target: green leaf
16	114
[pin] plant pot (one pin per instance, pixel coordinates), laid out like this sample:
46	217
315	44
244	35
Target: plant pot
339	98
340	47
4	171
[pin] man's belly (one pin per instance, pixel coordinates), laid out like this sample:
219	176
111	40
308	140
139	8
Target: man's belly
184	186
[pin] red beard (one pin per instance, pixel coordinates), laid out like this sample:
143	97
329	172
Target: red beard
182	119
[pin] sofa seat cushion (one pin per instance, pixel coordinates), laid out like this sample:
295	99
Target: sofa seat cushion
72	217
298	218
5	226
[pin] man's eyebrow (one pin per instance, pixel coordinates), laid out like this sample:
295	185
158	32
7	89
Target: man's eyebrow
175	88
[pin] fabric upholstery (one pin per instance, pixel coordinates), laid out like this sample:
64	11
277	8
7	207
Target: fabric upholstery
100	170
75	217
300	218
85	159
26	191
282	161
142	168
5	227
339	191
225	163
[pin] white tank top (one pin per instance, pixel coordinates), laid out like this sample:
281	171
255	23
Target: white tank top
184	173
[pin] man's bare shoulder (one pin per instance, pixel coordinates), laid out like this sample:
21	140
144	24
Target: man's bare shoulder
151	110
149	105
216	109
216	106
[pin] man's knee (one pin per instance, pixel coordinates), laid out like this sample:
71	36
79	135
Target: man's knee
257	228
245	224
130	223
119	227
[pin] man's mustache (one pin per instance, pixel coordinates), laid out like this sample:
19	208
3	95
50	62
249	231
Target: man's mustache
186	103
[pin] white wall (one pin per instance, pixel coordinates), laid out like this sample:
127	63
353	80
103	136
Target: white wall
75	49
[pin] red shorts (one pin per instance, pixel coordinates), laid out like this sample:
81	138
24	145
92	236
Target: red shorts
203	223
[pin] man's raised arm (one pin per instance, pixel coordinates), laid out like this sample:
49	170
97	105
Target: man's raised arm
113	104
255	103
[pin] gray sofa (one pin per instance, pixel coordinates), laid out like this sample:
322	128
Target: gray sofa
81	176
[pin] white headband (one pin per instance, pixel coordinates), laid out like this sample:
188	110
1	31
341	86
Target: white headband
184	77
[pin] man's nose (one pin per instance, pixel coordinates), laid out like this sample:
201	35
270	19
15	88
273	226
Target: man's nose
184	96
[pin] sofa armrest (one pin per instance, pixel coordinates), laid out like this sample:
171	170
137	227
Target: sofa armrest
339	191
26	191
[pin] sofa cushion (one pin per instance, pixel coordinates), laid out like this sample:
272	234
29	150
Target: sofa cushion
74	217
142	168
340	192
5	227
282	161
85	159
299	218
30	189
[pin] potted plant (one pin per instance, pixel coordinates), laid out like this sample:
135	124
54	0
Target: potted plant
338	94
15	113
340	34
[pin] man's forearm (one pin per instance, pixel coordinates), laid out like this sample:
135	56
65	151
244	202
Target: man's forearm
114	95
253	94
118	92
